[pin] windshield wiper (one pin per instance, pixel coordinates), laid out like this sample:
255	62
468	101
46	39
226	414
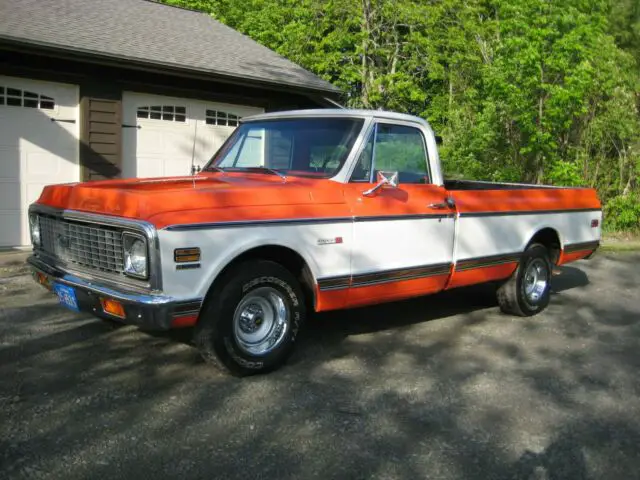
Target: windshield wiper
213	168
272	171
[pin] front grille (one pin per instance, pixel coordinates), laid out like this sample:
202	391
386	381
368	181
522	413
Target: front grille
84	244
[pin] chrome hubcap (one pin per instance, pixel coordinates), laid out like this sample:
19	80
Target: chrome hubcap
535	280
261	321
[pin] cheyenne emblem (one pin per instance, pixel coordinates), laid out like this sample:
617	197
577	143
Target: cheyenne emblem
329	241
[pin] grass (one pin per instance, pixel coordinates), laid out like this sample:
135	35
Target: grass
620	242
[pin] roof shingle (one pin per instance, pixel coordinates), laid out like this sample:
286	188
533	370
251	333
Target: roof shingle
151	33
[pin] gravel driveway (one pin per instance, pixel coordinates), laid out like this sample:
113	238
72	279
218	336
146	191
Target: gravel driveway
440	387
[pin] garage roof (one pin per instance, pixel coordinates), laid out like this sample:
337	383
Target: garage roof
152	34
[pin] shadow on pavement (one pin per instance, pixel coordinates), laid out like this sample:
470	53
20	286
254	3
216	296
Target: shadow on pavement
438	387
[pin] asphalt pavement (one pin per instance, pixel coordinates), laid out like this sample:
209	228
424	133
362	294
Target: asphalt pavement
442	387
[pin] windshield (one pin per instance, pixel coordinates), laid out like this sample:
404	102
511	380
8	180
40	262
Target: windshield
314	147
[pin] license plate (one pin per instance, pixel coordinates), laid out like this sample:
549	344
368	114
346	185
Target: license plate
66	296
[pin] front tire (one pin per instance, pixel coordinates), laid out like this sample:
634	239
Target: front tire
527	291
250	323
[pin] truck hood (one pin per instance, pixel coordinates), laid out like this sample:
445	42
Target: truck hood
196	199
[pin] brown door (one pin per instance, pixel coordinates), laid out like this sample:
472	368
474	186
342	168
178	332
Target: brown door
100	138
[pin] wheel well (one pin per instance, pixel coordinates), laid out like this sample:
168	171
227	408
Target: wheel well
288	258
549	238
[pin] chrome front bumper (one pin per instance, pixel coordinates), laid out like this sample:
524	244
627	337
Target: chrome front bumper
150	311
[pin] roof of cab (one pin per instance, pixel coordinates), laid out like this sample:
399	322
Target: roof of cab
337	112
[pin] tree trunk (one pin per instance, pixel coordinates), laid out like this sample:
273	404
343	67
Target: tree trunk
364	73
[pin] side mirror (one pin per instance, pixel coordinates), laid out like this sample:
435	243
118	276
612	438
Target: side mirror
438	140
389	179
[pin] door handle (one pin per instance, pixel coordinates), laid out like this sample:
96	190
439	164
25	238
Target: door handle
438	206
448	203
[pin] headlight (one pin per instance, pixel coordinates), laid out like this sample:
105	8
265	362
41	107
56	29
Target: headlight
135	255
34	228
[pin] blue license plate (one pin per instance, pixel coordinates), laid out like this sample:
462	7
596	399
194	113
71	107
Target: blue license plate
66	296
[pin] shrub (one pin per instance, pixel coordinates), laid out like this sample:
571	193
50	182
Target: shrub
622	213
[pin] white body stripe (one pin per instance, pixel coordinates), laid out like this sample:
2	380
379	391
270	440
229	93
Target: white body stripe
220	246
484	236
391	244
367	246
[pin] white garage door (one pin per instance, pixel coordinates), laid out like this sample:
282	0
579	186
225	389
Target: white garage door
38	147
162	134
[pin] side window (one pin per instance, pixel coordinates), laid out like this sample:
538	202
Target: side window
401	149
362	172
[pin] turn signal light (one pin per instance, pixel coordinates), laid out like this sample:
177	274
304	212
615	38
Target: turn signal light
595	223
112	307
184	255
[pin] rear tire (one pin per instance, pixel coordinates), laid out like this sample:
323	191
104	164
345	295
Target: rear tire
250	323
527	291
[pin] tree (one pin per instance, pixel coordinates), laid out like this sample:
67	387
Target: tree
521	90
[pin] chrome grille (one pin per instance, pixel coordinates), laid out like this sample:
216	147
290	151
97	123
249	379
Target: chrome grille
85	244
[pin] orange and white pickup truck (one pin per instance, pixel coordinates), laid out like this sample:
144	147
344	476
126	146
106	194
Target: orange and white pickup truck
299	212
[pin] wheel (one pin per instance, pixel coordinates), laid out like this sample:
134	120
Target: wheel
250	323
527	291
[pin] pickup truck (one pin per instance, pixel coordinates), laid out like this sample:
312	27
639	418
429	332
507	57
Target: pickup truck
299	212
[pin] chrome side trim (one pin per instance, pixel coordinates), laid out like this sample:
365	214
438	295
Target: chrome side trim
582	246
146	228
488	261
526	212
383	276
257	223
389	218
304	221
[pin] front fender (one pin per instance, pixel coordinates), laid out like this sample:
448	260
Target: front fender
219	247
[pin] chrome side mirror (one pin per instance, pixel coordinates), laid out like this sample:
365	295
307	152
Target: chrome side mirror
384	179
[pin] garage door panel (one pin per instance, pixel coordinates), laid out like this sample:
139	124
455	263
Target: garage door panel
10	197
176	144
148	143
43	164
177	167
34	150
9	162
33	190
181	130
150	166
11	235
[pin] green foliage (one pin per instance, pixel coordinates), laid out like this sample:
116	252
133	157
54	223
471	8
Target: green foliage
521	90
566	174
622	213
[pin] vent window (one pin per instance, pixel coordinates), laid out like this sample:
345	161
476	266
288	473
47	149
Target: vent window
217	117
167	113
14	97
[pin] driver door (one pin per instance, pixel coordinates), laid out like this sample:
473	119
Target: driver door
403	235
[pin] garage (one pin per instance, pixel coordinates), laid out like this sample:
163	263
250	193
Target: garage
38	146
119	88
165	136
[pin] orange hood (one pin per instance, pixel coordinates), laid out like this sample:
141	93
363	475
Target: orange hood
201	199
